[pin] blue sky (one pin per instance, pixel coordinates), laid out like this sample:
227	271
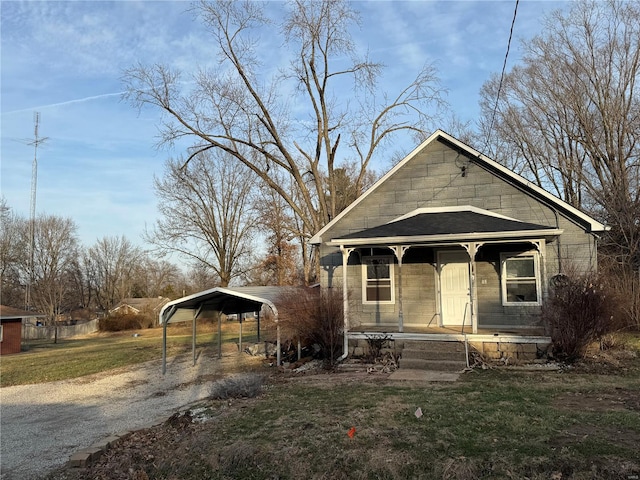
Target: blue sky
65	59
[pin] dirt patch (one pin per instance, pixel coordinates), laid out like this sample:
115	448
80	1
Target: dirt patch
202	379
617	361
617	401
621	437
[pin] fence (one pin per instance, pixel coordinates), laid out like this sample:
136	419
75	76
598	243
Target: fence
34	332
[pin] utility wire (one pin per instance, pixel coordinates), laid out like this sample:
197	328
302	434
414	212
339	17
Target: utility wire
504	67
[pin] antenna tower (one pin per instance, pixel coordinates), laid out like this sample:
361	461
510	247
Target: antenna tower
32	218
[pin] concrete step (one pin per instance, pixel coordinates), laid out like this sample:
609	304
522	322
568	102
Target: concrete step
432	346
456	355
435	365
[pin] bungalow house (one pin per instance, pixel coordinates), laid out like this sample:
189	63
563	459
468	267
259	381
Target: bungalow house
11	328
140	306
451	245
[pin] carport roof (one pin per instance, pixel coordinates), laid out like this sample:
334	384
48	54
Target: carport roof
221	299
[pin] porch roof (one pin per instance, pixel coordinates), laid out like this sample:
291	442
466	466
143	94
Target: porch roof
437	225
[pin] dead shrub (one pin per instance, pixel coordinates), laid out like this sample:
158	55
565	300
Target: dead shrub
376	343
626	283
118	323
581	309
313	316
241	386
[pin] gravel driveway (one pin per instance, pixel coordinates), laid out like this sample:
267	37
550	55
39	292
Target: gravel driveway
42	425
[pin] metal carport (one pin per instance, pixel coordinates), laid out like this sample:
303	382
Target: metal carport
220	300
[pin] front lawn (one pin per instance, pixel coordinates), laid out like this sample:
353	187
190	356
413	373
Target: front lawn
576	423
77	357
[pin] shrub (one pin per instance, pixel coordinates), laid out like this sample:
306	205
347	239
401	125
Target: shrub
315	317
118	323
376	344
626	282
580	310
241	386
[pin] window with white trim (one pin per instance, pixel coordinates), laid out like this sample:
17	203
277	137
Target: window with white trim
520	278
377	280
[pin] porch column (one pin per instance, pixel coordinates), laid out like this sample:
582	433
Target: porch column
399	250
472	249
541	245
345	296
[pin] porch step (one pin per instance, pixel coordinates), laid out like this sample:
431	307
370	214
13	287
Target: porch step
433	355
420	354
435	365
434	345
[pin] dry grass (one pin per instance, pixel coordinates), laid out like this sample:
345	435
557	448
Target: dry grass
573	424
103	351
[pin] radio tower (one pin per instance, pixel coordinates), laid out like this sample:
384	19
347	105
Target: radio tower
32	218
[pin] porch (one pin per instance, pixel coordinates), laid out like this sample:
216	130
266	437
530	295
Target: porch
509	346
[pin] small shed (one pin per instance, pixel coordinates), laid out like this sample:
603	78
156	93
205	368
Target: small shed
222	300
11	328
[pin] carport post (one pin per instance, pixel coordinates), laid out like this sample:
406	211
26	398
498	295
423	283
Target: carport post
258	320
193	333
279	354
165	317
220	334
164	348
240	333
193	340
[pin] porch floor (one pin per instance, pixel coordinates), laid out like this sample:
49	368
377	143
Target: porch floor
450	330
452	333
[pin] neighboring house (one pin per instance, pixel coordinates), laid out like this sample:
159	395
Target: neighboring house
11	328
140	306
451	241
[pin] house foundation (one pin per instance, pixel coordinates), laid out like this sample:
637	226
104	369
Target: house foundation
503	348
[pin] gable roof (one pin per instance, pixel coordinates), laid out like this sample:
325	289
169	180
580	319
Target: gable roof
590	224
443	224
141	303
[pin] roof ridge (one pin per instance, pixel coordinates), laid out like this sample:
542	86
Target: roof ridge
454	209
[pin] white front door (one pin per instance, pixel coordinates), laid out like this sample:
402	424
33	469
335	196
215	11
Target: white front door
455	299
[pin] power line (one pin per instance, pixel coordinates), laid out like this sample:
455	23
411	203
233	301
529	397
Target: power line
504	67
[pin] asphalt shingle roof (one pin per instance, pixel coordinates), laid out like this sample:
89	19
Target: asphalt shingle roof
446	223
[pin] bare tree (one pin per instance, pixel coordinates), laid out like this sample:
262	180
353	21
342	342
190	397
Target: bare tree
55	251
280	264
570	115
109	266
299	122
13	253
206	213
199	278
155	278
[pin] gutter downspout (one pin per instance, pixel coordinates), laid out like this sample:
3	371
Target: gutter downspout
345	303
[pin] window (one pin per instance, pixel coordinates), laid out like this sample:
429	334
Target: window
377	280
520	279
